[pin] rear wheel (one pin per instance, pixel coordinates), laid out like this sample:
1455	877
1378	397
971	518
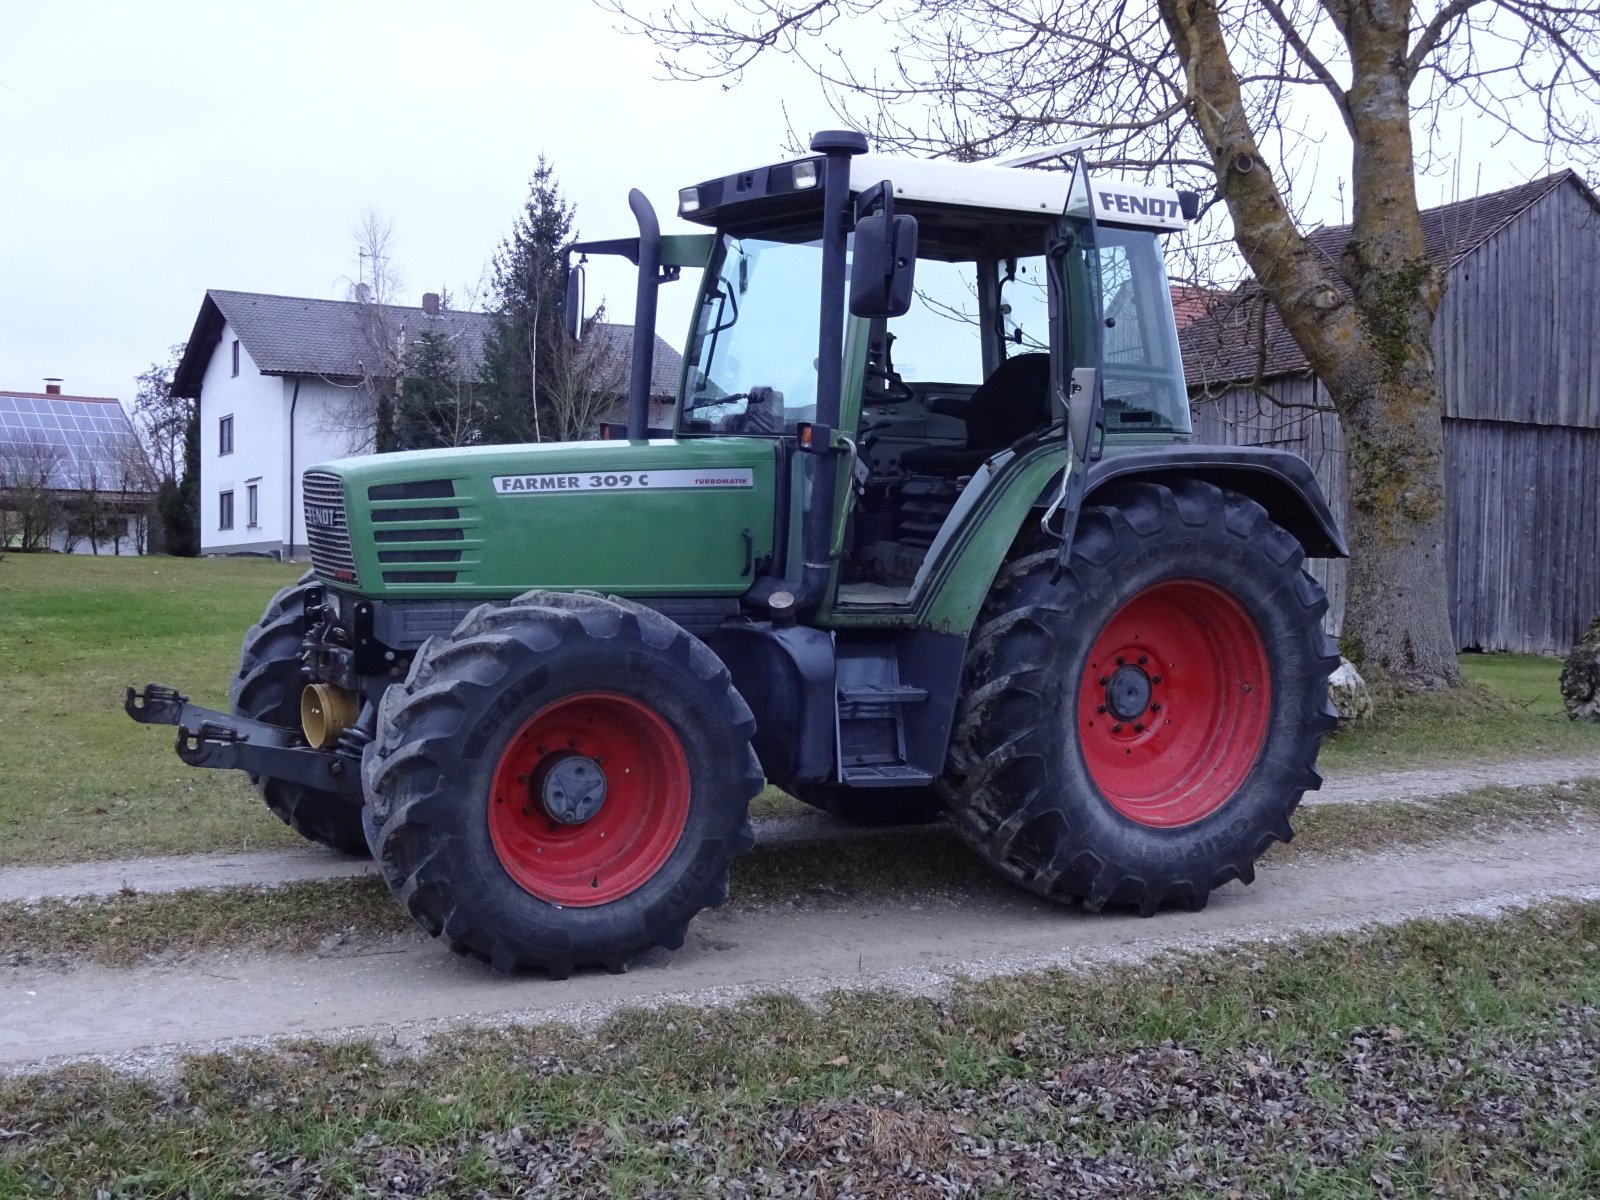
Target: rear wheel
561	782
1138	731
266	687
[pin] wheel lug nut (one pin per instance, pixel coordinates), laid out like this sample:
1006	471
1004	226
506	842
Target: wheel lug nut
1143	658
1121	661
1155	708
1138	727
1101	709
1104	679
1116	729
522	777
1155	679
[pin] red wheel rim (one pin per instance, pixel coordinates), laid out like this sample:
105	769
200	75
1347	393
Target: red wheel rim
1174	703
637	825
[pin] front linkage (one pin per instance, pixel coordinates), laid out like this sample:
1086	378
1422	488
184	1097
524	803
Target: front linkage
207	738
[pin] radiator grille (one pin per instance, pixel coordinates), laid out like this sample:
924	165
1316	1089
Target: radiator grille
327	532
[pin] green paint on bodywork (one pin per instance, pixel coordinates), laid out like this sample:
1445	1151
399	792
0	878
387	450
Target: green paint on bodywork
701	539
960	582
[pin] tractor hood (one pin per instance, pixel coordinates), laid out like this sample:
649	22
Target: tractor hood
656	518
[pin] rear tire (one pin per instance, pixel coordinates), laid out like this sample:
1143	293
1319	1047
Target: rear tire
266	687
467	830
1138	731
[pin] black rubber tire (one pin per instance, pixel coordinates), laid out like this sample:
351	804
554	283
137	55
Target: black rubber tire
441	734
1018	788
872	807
266	687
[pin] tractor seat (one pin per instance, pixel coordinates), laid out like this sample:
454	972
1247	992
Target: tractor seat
1006	406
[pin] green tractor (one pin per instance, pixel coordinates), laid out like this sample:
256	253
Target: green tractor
927	533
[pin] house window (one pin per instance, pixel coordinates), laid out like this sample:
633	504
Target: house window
252	506
235	356
225	510
225	435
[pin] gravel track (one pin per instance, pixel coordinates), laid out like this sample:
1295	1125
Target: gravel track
404	988
309	862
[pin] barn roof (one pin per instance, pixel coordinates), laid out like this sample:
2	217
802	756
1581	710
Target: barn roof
1242	337
71	443
296	335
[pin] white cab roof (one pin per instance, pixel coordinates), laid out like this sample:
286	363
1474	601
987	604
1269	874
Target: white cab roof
1021	190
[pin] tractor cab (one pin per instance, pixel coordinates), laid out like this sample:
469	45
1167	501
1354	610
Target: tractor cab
936	400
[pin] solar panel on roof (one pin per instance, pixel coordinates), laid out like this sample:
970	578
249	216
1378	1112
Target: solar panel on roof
92	441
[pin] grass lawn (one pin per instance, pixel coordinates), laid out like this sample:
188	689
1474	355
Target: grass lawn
80	780
1515	712
1455	1058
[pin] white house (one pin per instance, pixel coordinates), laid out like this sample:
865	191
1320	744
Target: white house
80	454
279	380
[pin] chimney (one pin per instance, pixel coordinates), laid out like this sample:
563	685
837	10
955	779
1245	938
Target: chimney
430	304
52	386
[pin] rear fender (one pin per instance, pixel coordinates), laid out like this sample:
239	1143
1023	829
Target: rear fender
1279	481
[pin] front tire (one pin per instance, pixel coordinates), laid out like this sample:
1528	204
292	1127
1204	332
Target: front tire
266	687
562	782
1139	730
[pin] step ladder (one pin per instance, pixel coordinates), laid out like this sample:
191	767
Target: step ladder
870	715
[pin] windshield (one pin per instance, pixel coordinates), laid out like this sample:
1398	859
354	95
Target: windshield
752	363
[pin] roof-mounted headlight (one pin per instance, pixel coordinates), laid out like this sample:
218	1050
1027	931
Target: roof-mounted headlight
688	200
805	173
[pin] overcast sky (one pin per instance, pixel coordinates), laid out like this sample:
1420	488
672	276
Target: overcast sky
154	150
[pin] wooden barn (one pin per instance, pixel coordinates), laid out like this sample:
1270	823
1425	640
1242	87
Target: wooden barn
1518	344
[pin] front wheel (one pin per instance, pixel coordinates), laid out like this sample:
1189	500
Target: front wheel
266	686
561	782
1138	730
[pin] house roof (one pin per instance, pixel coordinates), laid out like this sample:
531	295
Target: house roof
1242	336
295	335
666	367
76	442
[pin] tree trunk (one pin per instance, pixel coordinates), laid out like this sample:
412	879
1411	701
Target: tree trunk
1370	341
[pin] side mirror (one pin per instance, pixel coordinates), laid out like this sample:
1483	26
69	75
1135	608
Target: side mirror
883	266
572	306
1080	410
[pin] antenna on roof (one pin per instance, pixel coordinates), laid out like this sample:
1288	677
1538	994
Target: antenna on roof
1032	158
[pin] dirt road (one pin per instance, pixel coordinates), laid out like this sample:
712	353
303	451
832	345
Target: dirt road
406	987
312	862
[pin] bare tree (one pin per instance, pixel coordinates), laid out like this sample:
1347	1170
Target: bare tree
31	475
583	379
366	419
1241	100
133	489
160	417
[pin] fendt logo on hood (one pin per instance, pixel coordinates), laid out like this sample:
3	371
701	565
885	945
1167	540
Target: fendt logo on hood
323	516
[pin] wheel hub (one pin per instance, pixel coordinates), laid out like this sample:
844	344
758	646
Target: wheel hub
1175	703
1128	693
570	788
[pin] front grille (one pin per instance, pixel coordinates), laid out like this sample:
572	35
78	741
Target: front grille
327	532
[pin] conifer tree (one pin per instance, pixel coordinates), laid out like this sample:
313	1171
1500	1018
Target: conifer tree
528	290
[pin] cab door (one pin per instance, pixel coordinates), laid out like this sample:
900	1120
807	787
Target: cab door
1077	348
